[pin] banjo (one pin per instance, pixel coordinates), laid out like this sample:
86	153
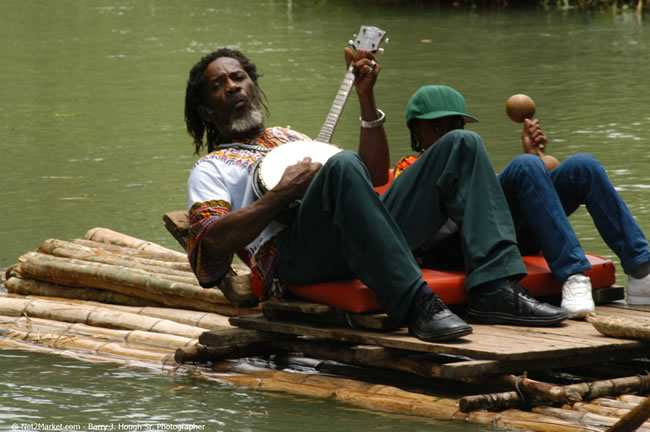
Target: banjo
269	169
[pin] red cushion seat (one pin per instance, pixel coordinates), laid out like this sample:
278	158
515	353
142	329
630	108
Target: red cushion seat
354	296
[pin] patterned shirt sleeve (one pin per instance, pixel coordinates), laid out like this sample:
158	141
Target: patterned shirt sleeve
202	214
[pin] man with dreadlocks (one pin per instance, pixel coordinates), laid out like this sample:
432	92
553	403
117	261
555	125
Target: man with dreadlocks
342	228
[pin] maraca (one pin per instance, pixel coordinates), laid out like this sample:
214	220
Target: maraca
520	107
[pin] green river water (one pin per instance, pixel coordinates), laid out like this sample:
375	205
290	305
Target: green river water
92	134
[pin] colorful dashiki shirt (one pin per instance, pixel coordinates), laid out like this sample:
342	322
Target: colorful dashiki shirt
221	182
402	164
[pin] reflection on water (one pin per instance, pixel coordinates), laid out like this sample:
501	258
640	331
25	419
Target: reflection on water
92	133
43	389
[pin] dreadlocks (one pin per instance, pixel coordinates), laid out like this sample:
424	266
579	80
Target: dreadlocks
196	127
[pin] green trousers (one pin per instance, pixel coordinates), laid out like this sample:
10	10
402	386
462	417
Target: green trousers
344	229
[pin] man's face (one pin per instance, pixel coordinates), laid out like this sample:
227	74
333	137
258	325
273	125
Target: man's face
428	132
231	97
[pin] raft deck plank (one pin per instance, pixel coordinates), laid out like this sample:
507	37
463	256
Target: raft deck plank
487	342
490	348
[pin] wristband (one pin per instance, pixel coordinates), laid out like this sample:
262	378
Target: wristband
373	123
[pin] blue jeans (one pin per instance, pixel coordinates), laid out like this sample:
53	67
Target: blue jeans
541	201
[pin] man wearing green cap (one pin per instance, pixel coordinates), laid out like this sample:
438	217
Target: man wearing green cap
437	114
342	228
539	201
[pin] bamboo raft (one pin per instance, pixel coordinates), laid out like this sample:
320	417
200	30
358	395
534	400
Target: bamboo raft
113	298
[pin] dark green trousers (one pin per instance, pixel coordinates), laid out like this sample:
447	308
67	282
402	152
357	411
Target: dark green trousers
343	228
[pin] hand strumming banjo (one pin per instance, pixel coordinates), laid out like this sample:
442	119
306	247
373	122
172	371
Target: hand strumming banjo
270	168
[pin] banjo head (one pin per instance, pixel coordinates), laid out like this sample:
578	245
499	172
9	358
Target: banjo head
272	166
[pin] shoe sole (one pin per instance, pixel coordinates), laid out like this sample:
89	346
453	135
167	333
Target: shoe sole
640	300
499	318
440	336
579	312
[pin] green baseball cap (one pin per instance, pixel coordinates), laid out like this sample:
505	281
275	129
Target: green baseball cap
435	101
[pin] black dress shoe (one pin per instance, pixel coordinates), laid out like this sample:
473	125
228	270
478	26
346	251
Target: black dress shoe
433	321
512	305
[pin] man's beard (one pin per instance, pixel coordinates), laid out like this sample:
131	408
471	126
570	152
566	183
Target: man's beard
253	120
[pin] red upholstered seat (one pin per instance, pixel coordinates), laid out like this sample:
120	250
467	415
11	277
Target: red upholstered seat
354	296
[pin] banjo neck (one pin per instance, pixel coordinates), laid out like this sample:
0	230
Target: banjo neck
333	116
368	39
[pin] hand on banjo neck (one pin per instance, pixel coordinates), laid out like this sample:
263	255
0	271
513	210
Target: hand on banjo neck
294	165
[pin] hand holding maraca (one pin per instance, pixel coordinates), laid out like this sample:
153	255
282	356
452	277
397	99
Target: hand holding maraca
521	109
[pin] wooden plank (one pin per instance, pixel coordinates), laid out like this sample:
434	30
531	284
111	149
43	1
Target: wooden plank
623	305
473	368
177	223
625	310
608	294
315	312
297	306
486	343
577	334
225	337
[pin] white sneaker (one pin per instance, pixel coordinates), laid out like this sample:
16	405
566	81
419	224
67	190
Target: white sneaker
576	296
637	291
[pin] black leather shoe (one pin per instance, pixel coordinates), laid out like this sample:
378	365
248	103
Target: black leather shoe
513	305
433	321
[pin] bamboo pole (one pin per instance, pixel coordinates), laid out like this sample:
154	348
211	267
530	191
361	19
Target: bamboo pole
211	315
75	272
94	345
202	354
131	282
105	235
621	327
141	337
175	257
98	316
205	320
599	409
596	389
7	342
236	285
631	398
340	389
632	420
66	249
422	366
22	286
540	391
592	419
614	403
376	397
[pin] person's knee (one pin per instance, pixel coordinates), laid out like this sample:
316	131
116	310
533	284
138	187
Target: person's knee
522	170
343	160
527	164
583	161
584	166
468	142
463	137
345	157
345	164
